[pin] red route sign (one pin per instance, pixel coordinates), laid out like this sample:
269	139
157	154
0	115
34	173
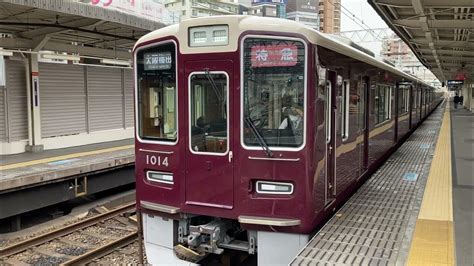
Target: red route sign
280	55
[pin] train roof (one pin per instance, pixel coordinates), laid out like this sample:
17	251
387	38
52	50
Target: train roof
239	24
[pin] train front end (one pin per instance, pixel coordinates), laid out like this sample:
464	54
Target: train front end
222	142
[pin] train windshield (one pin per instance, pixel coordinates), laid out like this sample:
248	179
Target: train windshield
156	88
273	92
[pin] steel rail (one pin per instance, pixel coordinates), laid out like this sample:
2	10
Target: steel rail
102	250
38	240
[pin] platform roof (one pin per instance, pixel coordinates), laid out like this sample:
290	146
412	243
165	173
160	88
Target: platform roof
70	26
439	32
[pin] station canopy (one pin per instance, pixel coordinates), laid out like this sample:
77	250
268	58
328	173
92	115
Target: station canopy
439	32
83	27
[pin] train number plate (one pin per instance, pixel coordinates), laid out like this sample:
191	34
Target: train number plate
156	160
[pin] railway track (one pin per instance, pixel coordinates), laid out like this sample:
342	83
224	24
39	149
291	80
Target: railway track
78	243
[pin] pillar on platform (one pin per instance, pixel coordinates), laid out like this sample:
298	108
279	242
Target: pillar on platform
33	93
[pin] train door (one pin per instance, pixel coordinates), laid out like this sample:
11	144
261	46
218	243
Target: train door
209	171
331	112
364	122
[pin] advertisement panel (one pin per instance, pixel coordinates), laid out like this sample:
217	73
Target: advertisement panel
310	6
150	9
269	1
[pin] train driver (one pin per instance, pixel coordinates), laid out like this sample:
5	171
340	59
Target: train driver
292	116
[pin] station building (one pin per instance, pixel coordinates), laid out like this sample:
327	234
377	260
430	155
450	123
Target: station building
66	76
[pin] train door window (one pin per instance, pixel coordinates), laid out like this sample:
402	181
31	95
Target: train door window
414	96
156	93
406	92
401	99
273	94
327	108
388	103
322	96
383	98
345	110
362	98
208	108
418	98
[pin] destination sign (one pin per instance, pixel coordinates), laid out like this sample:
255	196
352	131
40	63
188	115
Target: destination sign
158	61
455	82
279	55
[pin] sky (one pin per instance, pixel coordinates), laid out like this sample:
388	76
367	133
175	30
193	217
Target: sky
363	11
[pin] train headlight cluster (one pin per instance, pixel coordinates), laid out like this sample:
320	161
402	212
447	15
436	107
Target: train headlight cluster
166	178
268	187
209	36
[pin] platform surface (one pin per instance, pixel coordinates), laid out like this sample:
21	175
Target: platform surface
28	169
462	133
375	227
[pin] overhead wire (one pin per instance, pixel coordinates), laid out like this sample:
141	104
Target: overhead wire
366	28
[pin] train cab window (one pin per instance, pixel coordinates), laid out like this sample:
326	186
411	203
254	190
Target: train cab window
383	103
273	92
156	93
208	112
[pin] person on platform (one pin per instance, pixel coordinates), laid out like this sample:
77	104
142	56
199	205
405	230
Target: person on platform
461	100
456	101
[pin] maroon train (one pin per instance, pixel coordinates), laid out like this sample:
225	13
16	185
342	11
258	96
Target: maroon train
251	131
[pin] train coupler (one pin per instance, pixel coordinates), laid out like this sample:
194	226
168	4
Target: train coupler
207	237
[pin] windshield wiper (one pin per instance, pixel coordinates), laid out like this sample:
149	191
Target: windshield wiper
258	136
213	85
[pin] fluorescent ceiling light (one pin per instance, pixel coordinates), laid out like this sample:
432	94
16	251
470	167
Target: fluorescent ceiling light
61	57
115	62
5	53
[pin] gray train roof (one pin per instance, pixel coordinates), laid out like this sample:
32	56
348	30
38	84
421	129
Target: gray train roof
239	24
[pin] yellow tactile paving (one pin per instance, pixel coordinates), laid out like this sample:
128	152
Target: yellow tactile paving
63	157
433	239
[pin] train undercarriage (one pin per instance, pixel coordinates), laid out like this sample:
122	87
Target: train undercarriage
189	240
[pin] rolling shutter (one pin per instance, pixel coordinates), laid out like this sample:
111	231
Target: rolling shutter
128	89
104	87
17	99
62	99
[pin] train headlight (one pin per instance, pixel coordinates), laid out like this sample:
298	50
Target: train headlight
268	187
166	178
209	36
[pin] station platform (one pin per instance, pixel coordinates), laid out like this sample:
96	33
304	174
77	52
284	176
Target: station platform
63	174
404	213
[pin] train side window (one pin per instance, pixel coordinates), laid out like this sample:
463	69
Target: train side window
345	110
156	93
